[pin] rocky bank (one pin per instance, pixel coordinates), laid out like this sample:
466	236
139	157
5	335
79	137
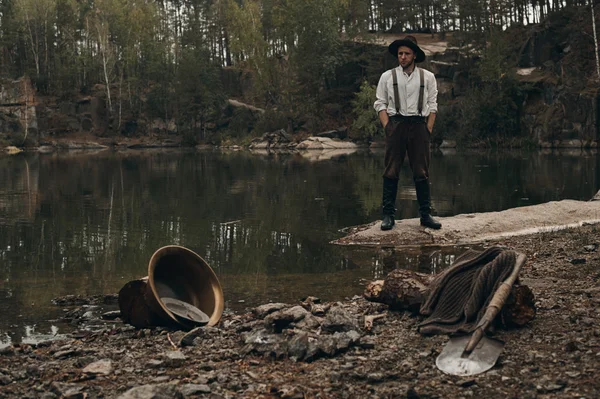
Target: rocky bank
325	350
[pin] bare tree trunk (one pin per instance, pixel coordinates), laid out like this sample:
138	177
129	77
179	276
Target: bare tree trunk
103	44
26	116
120	100
33	46
595	38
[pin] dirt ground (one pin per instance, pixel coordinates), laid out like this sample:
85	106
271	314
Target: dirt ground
556	356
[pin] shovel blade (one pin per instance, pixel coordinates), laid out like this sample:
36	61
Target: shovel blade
483	357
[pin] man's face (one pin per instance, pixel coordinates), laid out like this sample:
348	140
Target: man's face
405	56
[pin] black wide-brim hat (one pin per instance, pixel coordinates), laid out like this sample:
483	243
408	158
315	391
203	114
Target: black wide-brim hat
410	42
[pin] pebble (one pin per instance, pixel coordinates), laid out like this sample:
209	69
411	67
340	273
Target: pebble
194	389
152	391
5	379
103	367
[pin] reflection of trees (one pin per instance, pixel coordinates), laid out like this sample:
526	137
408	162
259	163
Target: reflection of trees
87	224
19	194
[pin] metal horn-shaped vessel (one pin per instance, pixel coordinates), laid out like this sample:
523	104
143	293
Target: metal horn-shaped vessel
178	274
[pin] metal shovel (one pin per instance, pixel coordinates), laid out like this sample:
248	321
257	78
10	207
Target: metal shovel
476	353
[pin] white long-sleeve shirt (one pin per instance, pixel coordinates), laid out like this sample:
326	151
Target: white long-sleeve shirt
408	90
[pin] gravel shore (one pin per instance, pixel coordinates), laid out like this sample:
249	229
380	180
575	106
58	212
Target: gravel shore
324	350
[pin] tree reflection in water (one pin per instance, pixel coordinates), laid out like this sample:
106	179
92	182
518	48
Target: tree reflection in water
88	223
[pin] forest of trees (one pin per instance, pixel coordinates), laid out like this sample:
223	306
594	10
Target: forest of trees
166	55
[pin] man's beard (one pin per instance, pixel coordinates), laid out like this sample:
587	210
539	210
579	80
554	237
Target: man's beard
408	66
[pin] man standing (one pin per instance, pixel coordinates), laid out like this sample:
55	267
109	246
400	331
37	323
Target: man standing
407	106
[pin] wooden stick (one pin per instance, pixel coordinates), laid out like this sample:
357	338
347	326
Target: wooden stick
171	341
495	305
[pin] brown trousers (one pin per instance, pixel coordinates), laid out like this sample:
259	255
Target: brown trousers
402	138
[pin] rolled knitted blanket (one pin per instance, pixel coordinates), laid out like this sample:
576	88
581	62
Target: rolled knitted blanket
458	297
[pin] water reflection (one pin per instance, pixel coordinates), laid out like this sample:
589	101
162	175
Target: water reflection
88	223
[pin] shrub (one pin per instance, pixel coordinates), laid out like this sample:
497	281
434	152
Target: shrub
366	124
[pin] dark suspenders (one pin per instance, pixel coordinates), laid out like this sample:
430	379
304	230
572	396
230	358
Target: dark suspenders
397	94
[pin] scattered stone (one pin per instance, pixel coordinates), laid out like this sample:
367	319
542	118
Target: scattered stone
591	248
194	389
188	339
103	367
367	342
309	322
411	393
67	390
5	379
111	315
571	346
66	353
338	320
550	388
466	383
155	363
298	346
279	320
263	310
161	391
175	358
7	351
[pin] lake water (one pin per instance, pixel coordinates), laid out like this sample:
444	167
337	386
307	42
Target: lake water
84	223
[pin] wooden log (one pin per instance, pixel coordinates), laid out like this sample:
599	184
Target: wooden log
519	308
401	290
406	290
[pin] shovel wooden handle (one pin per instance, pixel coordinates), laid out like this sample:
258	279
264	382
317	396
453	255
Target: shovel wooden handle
495	305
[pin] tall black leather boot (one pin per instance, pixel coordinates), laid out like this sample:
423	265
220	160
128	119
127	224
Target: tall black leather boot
390	188
424	198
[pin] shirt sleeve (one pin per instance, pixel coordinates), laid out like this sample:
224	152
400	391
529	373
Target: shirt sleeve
432	93
382	94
